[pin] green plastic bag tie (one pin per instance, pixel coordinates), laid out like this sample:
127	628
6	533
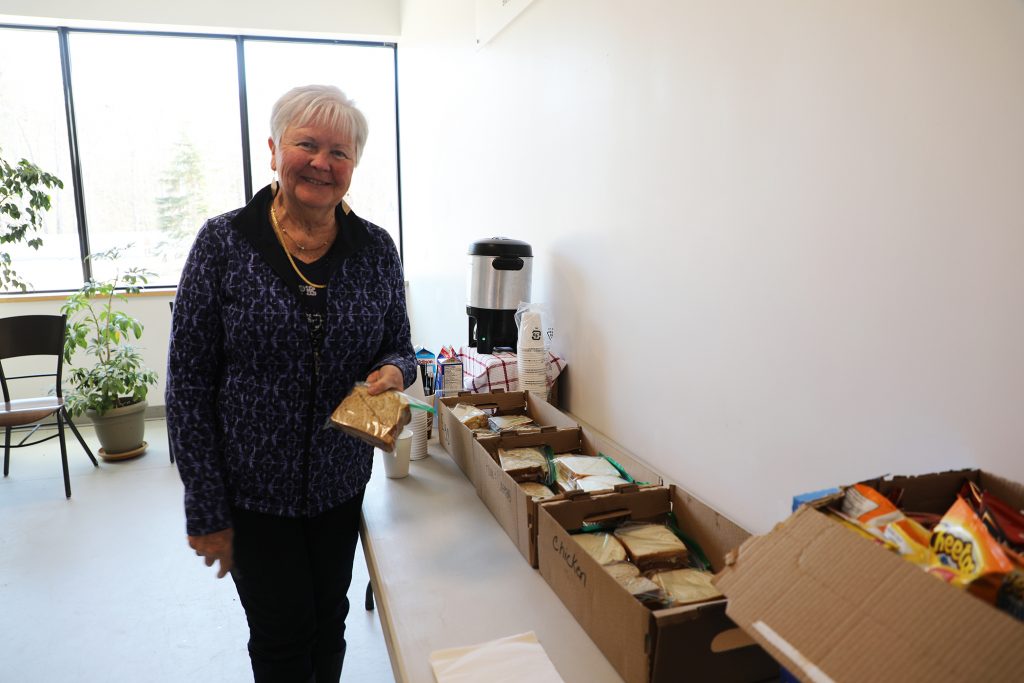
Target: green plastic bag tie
622	470
549	454
695	550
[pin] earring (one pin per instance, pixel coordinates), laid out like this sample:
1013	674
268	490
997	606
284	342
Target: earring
273	187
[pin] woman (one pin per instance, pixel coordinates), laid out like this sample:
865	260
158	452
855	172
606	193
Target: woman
282	306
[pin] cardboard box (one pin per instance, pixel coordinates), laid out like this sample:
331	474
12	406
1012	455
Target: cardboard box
831	605
515	511
690	643
458	440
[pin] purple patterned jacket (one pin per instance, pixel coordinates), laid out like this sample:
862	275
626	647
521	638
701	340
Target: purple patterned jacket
246	412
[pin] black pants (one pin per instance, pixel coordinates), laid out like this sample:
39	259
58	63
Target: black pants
292	577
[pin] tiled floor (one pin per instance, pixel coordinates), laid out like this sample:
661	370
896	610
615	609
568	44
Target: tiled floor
104	588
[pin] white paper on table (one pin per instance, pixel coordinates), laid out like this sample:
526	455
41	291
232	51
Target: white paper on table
506	660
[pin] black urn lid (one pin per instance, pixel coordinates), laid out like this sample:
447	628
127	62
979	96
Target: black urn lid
500	246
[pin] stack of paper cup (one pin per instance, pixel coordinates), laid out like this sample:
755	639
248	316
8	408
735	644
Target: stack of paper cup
419	425
531	356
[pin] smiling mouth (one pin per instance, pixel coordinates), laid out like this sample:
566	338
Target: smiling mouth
314	181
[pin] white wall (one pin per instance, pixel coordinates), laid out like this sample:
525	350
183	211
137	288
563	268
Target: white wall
349	17
782	240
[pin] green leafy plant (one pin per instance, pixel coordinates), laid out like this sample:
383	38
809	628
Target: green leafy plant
23	201
117	376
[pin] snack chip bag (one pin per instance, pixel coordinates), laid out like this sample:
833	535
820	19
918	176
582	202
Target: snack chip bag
869	507
874	516
966	554
1004	523
911	540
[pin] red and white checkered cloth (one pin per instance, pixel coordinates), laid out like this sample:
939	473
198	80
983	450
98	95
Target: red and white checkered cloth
485	372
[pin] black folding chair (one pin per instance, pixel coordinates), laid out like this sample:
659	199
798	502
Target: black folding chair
35	335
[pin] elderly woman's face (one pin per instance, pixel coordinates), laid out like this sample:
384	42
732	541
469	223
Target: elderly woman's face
315	165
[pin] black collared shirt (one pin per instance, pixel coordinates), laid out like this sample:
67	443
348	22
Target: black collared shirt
351	237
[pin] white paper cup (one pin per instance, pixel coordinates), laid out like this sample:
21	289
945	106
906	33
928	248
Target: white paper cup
396	463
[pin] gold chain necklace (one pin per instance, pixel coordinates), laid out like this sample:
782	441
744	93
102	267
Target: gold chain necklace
278	231
296	242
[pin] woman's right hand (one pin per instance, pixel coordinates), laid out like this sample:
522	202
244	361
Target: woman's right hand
214	547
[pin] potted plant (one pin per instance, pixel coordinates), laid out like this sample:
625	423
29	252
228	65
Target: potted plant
23	201
112	390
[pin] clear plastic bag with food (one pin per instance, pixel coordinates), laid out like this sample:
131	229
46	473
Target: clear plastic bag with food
652	546
628	576
686	586
377	420
471	416
536	489
602	546
579	466
511	423
526	463
599	483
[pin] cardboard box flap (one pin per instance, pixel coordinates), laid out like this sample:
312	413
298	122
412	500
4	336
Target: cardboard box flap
561	440
927	492
936	492
1010	492
643	505
499	401
830	605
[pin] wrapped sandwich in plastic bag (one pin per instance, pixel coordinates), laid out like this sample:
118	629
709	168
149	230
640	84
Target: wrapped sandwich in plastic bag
377	420
652	546
602	546
526	463
471	416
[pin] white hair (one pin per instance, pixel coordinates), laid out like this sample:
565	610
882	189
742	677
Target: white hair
322	104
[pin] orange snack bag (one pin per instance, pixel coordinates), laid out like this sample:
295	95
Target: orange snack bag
911	540
869	507
866	510
966	555
868	532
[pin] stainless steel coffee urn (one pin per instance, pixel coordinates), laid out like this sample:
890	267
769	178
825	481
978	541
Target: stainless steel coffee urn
499	279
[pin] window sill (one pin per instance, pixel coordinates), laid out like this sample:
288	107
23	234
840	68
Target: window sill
12	297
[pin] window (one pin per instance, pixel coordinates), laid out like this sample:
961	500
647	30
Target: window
366	76
159	140
158	135
33	126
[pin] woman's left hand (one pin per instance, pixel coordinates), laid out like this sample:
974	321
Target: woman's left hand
383	378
